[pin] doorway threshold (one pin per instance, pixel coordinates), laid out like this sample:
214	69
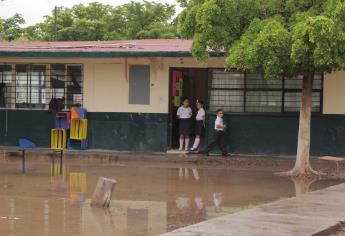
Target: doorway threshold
176	151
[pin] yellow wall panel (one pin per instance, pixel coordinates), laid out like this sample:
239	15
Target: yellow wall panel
334	93
106	89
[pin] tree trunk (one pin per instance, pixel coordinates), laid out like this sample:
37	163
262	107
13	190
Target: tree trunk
302	164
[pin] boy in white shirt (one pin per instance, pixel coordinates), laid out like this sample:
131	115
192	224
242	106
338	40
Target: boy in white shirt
219	135
184	113
200	124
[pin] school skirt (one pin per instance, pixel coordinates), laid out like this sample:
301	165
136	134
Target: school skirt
199	127
184	126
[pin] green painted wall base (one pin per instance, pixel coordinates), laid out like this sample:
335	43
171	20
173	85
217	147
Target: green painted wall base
33	125
119	131
247	134
277	134
128	131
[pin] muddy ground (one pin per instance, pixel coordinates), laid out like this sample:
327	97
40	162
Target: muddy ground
279	163
180	190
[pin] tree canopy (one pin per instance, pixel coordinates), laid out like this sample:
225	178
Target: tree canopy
10	28
272	37
96	21
276	38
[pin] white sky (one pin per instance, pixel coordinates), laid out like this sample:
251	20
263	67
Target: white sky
34	10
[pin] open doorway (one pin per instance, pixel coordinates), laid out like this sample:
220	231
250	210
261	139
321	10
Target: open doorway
188	83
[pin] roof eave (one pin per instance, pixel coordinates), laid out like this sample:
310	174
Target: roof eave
99	54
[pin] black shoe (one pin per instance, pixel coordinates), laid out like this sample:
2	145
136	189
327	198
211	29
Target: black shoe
203	153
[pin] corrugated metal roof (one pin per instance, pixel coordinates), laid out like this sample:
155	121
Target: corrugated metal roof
149	47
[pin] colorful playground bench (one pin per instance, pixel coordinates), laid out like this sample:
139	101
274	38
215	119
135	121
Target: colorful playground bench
25	144
336	160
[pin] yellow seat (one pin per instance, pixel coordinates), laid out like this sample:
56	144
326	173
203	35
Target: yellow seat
78	129
58	139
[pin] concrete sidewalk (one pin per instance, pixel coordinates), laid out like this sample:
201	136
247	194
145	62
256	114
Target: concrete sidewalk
306	215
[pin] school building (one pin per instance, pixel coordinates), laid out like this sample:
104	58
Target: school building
131	90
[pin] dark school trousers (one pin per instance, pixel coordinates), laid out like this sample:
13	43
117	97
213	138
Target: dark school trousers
219	140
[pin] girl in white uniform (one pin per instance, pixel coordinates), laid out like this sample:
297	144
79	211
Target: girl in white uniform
200	124
184	113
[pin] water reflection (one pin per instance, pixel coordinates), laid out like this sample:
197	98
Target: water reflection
217	200
57	178
55	169
146	201
196	204
184	173
302	184
125	218
77	187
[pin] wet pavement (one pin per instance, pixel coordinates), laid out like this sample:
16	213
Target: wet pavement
148	200
307	214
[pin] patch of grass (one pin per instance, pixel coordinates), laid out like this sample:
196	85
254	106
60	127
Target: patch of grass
283	198
232	210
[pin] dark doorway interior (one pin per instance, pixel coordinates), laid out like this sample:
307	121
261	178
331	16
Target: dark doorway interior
2	95
188	83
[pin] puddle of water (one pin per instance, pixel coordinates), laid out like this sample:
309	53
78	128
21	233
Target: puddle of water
146	200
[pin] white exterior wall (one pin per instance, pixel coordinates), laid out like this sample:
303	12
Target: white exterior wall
106	86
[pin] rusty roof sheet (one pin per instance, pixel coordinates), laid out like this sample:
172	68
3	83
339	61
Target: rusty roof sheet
149	47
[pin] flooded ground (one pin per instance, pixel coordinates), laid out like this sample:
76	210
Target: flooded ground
148	200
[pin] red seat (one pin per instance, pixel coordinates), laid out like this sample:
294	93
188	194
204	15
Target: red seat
329	158
335	160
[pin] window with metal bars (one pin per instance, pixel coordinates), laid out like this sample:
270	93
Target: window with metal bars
245	92
35	85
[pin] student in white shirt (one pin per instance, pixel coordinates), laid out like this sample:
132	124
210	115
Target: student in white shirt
184	113
219	134
200	124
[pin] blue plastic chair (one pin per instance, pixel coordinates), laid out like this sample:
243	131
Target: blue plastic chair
25	144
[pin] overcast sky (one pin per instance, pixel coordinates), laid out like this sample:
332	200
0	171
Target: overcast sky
34	10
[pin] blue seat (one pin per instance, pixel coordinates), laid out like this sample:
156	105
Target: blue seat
26	144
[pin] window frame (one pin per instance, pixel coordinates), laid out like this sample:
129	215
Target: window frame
283	91
46	90
29	87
